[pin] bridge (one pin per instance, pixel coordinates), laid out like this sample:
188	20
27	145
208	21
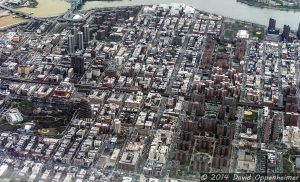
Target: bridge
21	14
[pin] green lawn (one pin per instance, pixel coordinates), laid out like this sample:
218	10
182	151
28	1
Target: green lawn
253	117
254	34
228	33
287	166
210	112
22	104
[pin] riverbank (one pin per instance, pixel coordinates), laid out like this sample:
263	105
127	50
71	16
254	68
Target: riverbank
10	20
22	4
4	28
44	8
226	8
263	5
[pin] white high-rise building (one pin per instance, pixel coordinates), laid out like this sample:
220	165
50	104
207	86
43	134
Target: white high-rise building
86	34
80	40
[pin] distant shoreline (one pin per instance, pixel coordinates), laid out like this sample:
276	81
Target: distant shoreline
109	8
262	5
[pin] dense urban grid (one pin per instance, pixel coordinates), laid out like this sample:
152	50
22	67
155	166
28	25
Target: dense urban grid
147	93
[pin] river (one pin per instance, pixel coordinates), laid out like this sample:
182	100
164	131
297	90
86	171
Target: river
43	9
229	8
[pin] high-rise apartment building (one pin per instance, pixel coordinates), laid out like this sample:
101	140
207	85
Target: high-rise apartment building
286	33
80	40
77	63
86	34
71	39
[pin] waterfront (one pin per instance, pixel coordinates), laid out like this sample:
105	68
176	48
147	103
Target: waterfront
9	20
229	8
44	8
48	8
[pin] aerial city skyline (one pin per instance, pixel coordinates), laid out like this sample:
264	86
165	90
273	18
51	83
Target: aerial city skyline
163	92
